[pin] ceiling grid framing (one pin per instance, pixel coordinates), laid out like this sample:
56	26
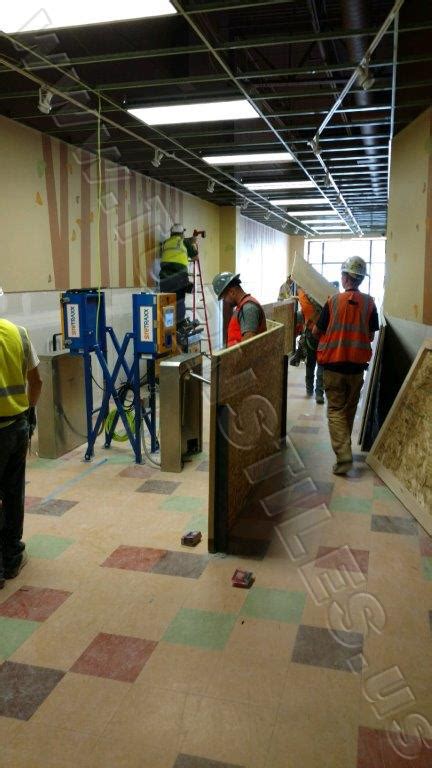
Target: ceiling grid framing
291	59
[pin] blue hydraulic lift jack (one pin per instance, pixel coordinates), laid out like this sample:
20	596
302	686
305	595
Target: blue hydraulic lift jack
86	333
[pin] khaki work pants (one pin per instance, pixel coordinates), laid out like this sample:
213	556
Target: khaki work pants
343	393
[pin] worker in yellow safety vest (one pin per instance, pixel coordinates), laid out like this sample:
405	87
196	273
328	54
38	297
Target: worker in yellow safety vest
20	387
176	253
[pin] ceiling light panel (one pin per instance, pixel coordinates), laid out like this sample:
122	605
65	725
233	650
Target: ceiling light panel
312	213
299	201
204	112
25	16
281	185
264	157
313	222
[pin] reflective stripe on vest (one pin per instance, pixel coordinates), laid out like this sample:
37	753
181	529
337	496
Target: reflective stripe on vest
14	360
346	339
174	251
234	327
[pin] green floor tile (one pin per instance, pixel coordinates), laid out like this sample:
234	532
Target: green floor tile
47	547
13	633
204	629
198	523
274	604
184	504
351	504
120	458
427	567
383	493
46	463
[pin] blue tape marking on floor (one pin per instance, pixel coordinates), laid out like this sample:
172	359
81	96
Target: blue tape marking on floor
74	481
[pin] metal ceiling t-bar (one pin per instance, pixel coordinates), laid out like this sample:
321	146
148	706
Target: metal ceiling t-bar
255	200
177	5
365	61
393	97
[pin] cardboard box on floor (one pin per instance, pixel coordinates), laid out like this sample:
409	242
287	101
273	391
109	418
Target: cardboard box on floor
311	281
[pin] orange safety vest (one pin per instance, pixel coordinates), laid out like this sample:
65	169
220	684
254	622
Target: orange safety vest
234	329
308	308
346	339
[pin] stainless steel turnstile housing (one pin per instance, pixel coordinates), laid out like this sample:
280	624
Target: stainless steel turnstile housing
180	410
61	407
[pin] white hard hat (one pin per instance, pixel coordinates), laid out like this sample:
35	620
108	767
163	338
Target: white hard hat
354	266
177	229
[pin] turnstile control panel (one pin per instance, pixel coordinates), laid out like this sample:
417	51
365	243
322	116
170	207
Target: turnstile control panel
154	323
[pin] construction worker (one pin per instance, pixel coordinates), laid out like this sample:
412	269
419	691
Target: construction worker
345	329
248	318
286	290
20	387
307	346
176	253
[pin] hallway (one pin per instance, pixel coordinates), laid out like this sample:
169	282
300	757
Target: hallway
123	649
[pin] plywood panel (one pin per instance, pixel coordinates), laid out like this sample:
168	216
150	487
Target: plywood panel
311	281
401	452
247	406
283	312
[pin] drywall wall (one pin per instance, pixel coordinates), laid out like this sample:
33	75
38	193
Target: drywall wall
227	238
49	217
408	282
261	258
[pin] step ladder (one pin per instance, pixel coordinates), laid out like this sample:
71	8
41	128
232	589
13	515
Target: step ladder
198	298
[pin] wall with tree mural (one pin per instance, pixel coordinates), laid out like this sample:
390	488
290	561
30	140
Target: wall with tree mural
53	234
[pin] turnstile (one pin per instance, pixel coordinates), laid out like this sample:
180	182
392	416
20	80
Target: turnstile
181	412
61	407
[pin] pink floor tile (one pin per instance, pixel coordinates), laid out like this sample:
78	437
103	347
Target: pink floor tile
115	656
33	603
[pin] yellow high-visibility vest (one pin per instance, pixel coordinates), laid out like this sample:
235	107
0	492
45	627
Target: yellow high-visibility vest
14	358
174	251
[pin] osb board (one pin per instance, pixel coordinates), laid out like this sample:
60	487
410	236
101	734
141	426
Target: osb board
311	281
401	453
283	312
248	390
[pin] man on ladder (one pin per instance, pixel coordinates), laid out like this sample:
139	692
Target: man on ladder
176	253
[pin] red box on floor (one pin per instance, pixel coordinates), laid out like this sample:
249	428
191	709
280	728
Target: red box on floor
243	579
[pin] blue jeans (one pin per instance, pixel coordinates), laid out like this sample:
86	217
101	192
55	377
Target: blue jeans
13	453
311	345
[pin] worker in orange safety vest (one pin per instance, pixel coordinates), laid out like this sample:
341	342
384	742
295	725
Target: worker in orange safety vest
248	318
345	329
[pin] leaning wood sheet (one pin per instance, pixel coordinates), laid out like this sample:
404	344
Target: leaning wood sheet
368	429
401	453
311	281
283	312
246	411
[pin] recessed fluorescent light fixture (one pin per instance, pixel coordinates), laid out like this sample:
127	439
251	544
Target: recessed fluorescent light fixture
312	213
313	222
203	112
281	185
25	16
264	157
299	201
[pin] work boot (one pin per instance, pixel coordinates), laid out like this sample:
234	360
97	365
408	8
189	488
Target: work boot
342	467
12	571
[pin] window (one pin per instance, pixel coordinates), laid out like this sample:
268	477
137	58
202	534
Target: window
327	256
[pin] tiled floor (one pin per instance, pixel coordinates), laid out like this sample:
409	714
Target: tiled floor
119	648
